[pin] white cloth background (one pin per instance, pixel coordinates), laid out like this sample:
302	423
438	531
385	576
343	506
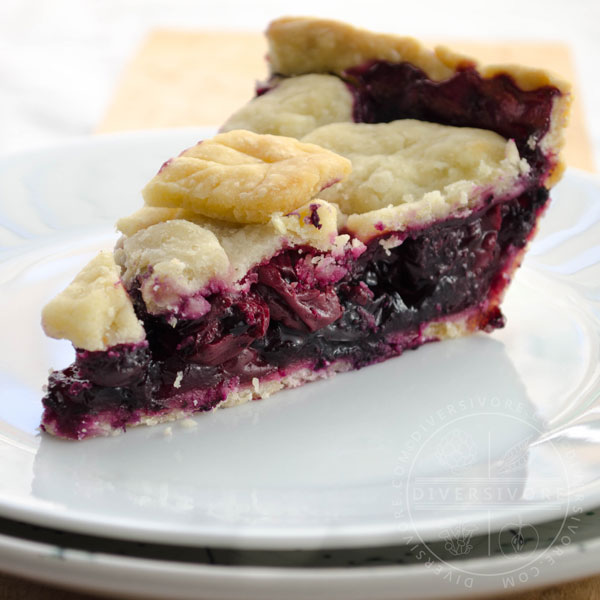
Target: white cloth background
60	59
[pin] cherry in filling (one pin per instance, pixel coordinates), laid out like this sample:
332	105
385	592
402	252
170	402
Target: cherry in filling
301	309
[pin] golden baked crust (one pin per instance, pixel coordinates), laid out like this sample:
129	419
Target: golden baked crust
299	45
94	311
407	162
243	177
296	106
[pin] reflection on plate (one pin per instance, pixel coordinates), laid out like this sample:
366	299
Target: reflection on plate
470	436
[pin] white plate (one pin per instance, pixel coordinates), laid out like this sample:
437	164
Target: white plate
490	565
465	436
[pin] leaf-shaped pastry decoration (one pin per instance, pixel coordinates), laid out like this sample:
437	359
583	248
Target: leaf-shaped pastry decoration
243	177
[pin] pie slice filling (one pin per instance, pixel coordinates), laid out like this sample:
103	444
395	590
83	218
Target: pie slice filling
261	262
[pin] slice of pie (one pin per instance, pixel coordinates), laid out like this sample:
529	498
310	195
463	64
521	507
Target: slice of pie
383	199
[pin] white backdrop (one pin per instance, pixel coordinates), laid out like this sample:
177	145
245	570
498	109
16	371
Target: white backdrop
60	59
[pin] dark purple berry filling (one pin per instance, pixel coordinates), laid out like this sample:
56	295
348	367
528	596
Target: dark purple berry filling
301	309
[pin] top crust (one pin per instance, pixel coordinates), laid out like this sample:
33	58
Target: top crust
175	259
243	177
409	162
299	45
296	106
94	311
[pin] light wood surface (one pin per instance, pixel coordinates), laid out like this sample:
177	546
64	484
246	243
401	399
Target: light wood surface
199	78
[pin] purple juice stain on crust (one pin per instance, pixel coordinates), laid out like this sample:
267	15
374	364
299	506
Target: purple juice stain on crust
262	87
164	166
168	162
313	218
360	310
330	183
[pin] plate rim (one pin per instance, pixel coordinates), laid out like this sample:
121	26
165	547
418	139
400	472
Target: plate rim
88	570
348	537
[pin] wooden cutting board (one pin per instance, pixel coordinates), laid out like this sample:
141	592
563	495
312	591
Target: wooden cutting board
198	78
